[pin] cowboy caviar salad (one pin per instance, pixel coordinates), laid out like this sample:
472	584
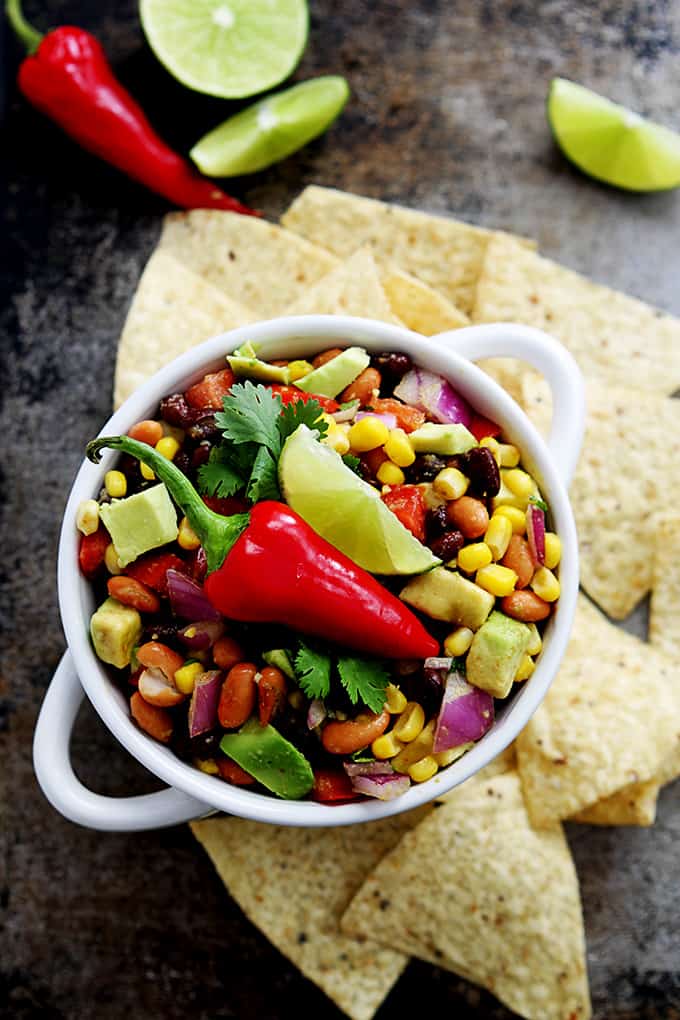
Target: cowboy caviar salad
314	578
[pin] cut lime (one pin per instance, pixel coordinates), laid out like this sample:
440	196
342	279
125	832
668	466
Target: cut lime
228	48
271	129
611	143
345	510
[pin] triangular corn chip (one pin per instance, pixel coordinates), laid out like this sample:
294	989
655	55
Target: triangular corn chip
352	288
420	307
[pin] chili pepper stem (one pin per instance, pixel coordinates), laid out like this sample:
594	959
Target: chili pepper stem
217	533
29	36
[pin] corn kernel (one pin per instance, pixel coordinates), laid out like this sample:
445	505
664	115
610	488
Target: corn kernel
553	549
185	677
87	516
474	557
298	369
491	444
525	668
387	746
167	447
535	641
444	758
497	580
337	439
516	517
389	474
451	483
458	641
423	769
207	765
115	484
417	749
509	455
395	700
519	482
147	473
498	536
368	434
187	537
410	723
398	448
113	564
546	585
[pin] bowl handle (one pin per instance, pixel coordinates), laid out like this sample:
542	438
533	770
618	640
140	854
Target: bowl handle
64	790
551	359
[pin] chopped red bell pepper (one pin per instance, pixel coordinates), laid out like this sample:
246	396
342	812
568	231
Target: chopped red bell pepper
208	394
332	787
152	569
408	503
482	427
291	394
92	550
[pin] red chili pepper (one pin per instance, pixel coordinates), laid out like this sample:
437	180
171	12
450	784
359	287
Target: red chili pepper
291	394
330	786
92	550
269	566
481	427
67	77
408	504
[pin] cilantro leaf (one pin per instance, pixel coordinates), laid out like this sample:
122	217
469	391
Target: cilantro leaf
220	476
352	463
540	503
365	680
299	412
251	415
263	483
313	670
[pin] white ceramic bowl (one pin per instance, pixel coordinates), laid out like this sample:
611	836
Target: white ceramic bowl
193	794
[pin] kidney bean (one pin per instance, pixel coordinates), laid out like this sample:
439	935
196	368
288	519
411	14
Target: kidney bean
448	545
227	652
147	431
469	515
133	593
154	721
518	558
326	356
233	773
362	387
237	699
176	411
525	606
350	736
392	366
371	461
271	693
200	454
158	656
479	464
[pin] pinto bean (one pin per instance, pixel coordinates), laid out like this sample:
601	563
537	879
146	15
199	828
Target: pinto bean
157	690
147	431
468	515
348	737
239	692
518	558
362	387
326	356
525	606
133	593
227	652
154	721
158	656
271	693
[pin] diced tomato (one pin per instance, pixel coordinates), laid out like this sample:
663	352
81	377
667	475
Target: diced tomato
152	568
291	394
91	551
225	506
481	427
330	786
408	418
233	773
408	503
207	395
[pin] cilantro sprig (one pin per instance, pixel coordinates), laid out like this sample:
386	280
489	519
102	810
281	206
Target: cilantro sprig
365	680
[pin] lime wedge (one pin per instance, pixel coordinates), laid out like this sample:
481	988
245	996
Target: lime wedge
611	143
345	510
228	48
271	129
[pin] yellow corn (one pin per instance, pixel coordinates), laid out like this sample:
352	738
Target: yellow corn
395	700
424	769
410	723
525	668
298	369
553	549
496	579
207	765
87	517
115	484
386	746
444	758
451	483
473	557
336	437
516	517
535	641
398	448
417	749
519	482
111	560
458	641
187	537
546	585
147	473
389	474
185	677
368	434
498	536
167	447
509	455
491	444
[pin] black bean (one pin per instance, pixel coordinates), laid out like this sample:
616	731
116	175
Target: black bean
204	430
165	632
182	461
448	545
437	522
200	454
392	366
176	411
479	464
426	467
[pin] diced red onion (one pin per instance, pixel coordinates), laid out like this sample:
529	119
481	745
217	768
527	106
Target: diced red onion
201	635
188	600
389	419
436	663
381	787
536	533
347	413
432	393
204	702
367	768
466	714
316	713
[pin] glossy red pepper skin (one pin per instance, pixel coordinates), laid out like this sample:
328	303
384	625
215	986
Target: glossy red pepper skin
69	79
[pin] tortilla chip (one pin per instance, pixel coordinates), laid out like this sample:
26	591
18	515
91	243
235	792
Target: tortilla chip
614	337
444	253
353	288
625	474
294	885
255	262
664	611
611	718
172	310
475	889
633	805
419	307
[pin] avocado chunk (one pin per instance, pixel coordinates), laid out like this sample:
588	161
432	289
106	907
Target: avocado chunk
445	595
253	368
335	375
270	758
495	653
446	440
280	658
115	630
141	522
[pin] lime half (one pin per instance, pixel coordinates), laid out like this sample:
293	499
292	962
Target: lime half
611	143
271	129
345	510
228	48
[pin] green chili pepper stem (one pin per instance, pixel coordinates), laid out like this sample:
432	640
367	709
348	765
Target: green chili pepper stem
217	533
29	36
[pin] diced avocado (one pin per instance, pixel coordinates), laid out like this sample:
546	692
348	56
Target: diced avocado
280	657
246	350
336	374
115	630
253	368
495	654
270	758
141	522
445	595
446	440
